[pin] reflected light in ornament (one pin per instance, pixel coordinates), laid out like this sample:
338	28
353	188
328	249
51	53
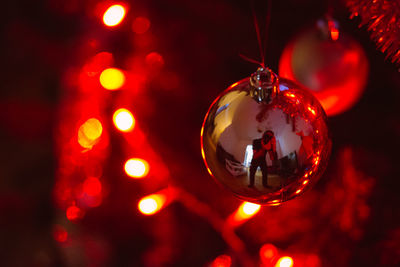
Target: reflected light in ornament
222	261
136	168
123	120
243	118
89	133
152	204
284	262
140	25
114	15
268	252
112	79
334	31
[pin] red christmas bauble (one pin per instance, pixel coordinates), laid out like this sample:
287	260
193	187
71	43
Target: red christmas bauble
265	139
328	62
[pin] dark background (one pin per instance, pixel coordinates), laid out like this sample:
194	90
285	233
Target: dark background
200	42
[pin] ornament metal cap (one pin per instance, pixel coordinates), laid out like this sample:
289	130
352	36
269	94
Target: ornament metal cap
263	84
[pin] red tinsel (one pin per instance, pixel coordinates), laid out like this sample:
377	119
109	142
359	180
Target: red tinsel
382	18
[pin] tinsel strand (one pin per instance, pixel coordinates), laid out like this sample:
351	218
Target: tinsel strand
382	18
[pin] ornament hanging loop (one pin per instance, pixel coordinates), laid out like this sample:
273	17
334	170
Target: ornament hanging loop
264	85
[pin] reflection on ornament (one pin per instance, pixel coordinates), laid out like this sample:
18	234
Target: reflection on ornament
330	63
265	139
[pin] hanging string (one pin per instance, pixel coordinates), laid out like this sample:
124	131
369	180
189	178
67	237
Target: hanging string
257	28
251	60
267	23
262	44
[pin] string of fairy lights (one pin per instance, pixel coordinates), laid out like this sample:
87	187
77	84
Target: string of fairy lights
92	137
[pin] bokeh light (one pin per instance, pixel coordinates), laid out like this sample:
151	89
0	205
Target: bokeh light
60	234
312	260
222	261
124	120
112	79
92	186
249	209
337	81
152	204
268	252
140	25
136	168
114	15
73	213
245	211
284	262
98	63
154	60
89	133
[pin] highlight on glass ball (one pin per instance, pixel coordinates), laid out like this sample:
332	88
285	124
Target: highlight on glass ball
331	64
266	139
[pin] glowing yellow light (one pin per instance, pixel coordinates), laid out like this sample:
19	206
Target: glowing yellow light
201	137
284	262
244	212
316	160
250	208
114	15
290	95
112	79
312	110
136	168
123	120
89	133
305	182
152	204
233	85
202	154
247	210
298	191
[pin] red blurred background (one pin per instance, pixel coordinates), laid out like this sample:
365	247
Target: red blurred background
65	198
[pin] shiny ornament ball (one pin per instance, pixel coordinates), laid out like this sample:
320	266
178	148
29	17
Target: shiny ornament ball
328	62
265	139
